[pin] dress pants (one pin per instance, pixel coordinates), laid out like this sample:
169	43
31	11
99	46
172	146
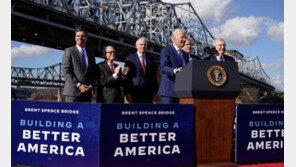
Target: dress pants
84	97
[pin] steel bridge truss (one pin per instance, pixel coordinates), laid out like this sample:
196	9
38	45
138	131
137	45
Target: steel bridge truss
252	67
152	19
39	77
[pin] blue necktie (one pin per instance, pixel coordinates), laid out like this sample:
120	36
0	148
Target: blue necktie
181	57
83	60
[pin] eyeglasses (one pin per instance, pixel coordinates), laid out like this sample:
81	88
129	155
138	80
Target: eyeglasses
111	52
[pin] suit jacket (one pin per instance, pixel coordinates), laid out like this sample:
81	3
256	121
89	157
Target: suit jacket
169	60
214	58
74	73
136	78
109	88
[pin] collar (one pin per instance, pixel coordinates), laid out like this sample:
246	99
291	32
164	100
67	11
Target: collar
222	57
79	48
109	63
177	49
139	55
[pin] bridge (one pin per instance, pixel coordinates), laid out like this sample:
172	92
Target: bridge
50	76
52	23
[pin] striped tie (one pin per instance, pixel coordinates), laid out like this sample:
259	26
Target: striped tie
142	63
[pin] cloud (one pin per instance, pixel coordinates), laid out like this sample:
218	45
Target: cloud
276	31
278	80
239	31
214	10
27	51
275	66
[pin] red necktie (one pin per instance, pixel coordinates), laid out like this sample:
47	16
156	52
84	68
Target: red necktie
111	67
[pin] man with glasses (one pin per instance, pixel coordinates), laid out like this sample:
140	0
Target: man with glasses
110	81
141	82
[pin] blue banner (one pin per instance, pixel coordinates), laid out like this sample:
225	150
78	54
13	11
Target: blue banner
55	134
146	135
260	132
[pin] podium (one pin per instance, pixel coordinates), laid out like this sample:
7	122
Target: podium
212	87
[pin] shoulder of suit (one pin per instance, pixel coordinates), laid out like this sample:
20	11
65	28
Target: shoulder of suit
131	56
168	47
101	63
70	48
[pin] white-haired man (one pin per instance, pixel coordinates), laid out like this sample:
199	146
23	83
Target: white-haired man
172	60
141	81
220	47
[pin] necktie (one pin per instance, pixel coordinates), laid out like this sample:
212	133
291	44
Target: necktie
142	63
111	67
83	60
181	57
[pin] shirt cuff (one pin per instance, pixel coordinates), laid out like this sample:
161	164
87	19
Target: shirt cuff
78	84
115	76
175	71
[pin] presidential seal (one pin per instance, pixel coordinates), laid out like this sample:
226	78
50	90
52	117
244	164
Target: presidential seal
216	75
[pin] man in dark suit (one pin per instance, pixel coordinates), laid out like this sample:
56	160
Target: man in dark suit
78	66
187	49
172	60
220	47
141	82
111	79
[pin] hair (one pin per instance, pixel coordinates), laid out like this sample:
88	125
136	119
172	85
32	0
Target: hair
80	29
176	31
142	39
189	39
105	50
216	40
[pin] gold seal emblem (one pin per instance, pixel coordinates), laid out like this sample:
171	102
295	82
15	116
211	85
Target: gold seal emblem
216	75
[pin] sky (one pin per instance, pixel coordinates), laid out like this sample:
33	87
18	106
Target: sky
255	28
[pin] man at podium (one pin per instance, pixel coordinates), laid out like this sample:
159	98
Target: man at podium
172	60
220	47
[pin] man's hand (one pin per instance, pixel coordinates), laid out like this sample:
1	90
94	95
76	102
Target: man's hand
117	69
125	71
88	88
84	88
129	98
179	69
176	70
